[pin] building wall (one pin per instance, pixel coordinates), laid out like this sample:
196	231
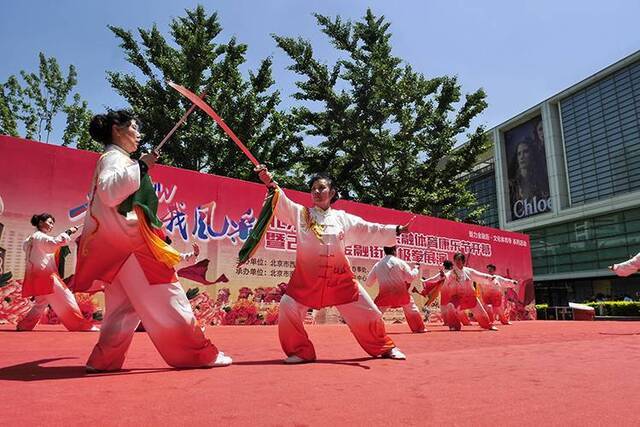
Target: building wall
602	136
585	245
483	184
592	145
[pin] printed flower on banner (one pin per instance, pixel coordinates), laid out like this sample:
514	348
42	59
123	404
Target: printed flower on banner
88	307
271	315
206	310
244	292
223	296
271	294
243	312
259	294
275	293
13	307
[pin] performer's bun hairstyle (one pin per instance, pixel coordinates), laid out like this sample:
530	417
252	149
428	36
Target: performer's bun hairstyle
330	180
35	219
459	255
101	124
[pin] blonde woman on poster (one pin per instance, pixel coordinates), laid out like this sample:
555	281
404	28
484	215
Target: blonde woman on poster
42	279
123	247
323	276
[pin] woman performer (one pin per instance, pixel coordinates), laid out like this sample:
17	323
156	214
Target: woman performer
394	277
323	276
492	295
458	294
42	280
119	249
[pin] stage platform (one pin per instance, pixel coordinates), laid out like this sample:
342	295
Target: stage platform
529	373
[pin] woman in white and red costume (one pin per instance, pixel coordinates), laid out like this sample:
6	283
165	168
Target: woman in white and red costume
42	281
492	295
458	294
394	277
115	252
323	276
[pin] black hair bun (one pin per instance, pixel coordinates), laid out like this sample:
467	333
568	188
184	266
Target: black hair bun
35	220
99	128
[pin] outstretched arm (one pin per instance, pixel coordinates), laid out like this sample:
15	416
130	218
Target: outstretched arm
507	283
627	268
357	230
438	277
49	243
426	286
478	277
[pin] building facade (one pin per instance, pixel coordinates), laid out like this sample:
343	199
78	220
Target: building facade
565	172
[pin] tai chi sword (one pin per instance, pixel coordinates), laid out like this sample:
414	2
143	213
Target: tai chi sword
177	125
207	109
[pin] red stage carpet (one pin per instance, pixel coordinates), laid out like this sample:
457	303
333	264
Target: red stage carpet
530	373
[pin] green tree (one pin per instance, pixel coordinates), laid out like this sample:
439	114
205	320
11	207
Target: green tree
9	107
34	104
77	131
387	133
195	59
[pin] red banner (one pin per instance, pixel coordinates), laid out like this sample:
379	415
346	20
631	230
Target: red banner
218	213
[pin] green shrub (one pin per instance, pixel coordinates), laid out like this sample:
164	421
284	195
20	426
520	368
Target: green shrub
616	308
541	311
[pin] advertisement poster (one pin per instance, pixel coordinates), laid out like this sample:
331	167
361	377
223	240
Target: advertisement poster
527	170
218	213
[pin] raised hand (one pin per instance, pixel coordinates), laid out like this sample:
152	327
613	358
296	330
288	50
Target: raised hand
265	176
404	228
149	159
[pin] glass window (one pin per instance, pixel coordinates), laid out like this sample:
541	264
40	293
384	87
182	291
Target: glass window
564	268
631	215
585	245
557	238
585	266
613	254
633	237
612	242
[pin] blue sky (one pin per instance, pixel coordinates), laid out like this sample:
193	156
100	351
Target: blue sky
520	52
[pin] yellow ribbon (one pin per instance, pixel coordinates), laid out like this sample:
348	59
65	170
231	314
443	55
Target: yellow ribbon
160	249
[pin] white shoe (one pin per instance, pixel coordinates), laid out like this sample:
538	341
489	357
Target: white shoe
94	328
394	353
221	360
294	360
492	328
